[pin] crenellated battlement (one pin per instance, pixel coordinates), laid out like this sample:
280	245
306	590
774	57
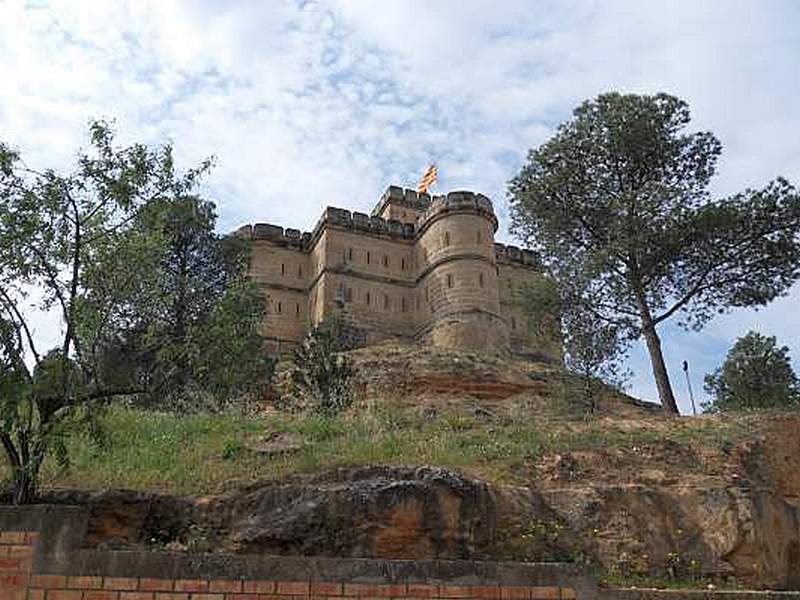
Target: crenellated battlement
513	254
419	267
409	198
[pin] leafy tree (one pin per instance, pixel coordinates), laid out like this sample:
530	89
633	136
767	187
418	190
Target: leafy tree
323	375
756	374
617	204
188	324
54	227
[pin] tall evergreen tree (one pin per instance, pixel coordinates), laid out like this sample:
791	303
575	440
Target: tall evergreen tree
617	204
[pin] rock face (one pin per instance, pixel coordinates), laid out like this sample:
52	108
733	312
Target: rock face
713	506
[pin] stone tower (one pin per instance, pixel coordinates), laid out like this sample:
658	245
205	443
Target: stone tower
419	268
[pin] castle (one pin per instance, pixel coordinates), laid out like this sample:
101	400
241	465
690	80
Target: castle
420	268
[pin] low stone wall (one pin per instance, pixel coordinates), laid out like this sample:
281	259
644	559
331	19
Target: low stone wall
41	559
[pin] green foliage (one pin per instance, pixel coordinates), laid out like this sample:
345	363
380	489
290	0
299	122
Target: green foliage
757	374
186	321
323	375
617	205
55	229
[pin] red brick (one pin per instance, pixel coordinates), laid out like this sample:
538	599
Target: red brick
191	585
100	595
485	592
293	588
15	579
120	583
64	595
18	551
156	585
207	597
8	563
263	587
374	591
31	537
12	594
136	596
245	597
568	594
225	585
422	590
171	596
12	537
48	581
515	593
454	591
35	594
545	593
85	583
323	588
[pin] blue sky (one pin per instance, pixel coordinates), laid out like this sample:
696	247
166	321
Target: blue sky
307	104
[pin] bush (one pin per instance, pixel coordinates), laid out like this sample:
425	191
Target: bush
323	375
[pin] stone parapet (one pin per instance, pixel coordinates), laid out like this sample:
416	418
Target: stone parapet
457	202
513	254
403	197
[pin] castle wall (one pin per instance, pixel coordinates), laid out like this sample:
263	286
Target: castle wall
437	278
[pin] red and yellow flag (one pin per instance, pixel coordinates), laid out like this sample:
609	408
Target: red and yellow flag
428	179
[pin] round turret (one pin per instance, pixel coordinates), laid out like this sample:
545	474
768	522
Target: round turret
458	292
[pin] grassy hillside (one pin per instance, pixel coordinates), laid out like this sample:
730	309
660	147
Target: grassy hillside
199	454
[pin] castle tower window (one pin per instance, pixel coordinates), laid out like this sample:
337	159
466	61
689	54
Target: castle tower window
385	260
480	279
349	254
386	301
449	281
402	264
497	271
297	309
368	298
299	270
513	323
283	269
403	304
446	238
279	307
367	256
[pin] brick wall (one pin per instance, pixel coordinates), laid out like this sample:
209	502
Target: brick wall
42	558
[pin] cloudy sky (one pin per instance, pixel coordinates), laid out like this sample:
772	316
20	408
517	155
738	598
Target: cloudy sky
307	104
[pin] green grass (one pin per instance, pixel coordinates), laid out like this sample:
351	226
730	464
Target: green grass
196	454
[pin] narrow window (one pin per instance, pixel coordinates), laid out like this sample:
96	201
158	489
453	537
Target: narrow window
513	323
497	270
402	264
385	260
368	298
279	307
348	294
297	309
480	279
299	270
403	304
446	238
350	254
283	269
386	301
449	281
367	256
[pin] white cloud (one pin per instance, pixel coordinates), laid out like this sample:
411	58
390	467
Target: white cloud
308	104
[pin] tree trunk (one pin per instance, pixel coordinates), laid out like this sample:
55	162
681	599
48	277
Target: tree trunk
24	487
660	369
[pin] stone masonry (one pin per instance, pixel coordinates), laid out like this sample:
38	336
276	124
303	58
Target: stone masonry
419	268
